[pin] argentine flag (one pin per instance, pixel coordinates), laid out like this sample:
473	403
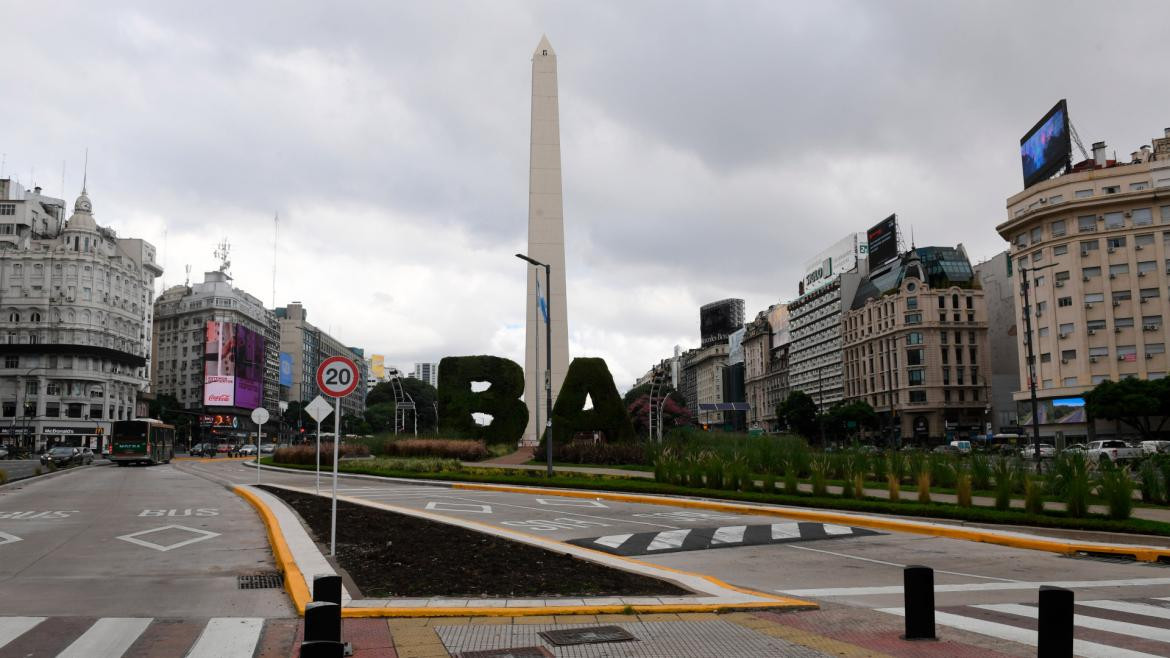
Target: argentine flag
540	301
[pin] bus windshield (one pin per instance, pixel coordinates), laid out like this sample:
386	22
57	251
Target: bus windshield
130	429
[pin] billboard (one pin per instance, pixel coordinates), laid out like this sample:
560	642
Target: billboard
249	368
286	368
1047	146
219	365
883	242
1053	411
718	319
843	256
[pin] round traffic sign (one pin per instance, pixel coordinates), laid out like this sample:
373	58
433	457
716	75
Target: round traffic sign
337	376
259	415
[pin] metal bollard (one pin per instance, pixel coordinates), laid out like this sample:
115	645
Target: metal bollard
327	588
322	649
322	622
918	592
1055	630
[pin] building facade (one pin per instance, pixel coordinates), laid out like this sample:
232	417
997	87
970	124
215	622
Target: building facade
1098	306
704	370
999	295
915	348
427	372
757	362
76	306
308	346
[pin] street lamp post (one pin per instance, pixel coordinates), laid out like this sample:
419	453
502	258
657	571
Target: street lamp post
1031	357
548	355
21	412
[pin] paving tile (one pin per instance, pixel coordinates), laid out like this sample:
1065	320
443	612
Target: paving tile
533	619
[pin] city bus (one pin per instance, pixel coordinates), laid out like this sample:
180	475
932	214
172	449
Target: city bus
142	441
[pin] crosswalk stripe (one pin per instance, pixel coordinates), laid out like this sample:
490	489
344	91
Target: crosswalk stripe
228	637
110	636
1096	623
668	539
13	627
831	529
1130	607
612	541
1022	635
785	530
729	535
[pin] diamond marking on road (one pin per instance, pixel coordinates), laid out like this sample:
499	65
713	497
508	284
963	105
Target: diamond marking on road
200	535
6	538
572	502
437	506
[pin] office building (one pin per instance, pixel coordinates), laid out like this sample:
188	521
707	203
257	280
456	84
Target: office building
765	348
427	372
999	296
305	346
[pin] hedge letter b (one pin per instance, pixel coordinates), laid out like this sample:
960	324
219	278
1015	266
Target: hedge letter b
501	400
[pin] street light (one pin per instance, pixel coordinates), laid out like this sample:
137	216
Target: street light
21	411
548	355
1031	357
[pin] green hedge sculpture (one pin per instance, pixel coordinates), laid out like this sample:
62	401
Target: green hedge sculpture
590	376
501	400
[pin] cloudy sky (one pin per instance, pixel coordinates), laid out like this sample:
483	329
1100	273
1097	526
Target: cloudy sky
709	148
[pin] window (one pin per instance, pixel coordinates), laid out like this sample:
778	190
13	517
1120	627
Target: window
918	396
1058	228
1037	256
1069	381
959	375
1086	223
1122	296
972	353
1064	301
914	357
1114	220
1094	297
1115	242
916	376
1089	245
14	316
1145	267
1043	332
1046	357
1122	323
914	338
1041	307
1038	281
1118	269
12	362
1143	240
1142	216
1126	353
1068	355
1156	375
945	352
1098	351
1082	194
1110	189
1067	328
946	395
1056	198
1097	379
912	303
1155	348
943	337
1095	325
1061	276
1022	240
913	318
1154	321
1060	250
1090	272
1037	235
1148	293
1047	383
942	301
53	388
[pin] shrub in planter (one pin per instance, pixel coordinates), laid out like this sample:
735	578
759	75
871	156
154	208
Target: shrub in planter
980	472
1070	479
590	377
457	402
1004	475
924	486
1033	495
859	484
461	449
963	489
819	470
790	476
1117	489
1150	482
600	453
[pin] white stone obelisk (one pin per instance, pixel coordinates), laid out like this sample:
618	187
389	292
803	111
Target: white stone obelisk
546	241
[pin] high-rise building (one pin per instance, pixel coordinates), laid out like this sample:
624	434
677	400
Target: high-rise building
1096	246
305	347
999	295
546	242
217	352
765	350
77	307
427	372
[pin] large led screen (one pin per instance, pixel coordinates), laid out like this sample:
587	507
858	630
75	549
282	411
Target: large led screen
286	369
1046	148
249	368
219	365
883	242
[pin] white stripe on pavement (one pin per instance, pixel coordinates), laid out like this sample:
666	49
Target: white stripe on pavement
228	637
109	636
1022	635
831	529
668	539
612	541
1127	606
785	530
729	535
977	587
13	627
1096	623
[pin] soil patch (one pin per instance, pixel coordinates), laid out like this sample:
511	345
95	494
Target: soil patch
395	555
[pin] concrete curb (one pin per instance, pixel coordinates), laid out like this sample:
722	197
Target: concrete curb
714	595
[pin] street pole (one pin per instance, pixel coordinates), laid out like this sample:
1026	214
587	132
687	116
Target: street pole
318	458
548	372
259	442
336	446
1031	358
536	359
821	402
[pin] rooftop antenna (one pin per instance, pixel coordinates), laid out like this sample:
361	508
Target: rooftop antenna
911	237
275	232
223	252
85	172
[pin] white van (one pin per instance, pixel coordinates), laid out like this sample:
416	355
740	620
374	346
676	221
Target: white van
963	447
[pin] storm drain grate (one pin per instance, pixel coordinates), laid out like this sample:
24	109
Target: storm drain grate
518	652
265	580
1112	558
590	635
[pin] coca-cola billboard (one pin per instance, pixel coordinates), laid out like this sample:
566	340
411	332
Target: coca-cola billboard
219	365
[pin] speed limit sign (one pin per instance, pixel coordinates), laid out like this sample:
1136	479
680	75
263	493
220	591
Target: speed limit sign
337	376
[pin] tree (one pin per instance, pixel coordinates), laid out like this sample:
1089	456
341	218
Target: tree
674	409
1140	403
799	412
167	409
380	400
380	417
859	413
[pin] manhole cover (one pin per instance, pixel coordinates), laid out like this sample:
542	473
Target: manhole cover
266	580
518	652
591	635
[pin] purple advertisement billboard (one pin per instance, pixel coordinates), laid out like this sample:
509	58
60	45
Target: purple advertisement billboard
249	368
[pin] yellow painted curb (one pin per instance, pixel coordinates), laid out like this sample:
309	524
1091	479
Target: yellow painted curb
204	460
896	525
294	580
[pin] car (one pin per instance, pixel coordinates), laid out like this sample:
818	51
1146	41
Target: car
268	448
225	449
1075	447
1047	451
62	456
246	450
1155	447
946	450
962	446
3	452
1112	451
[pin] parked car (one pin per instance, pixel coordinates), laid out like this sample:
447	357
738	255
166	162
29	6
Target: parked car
268	448
1112	451
962	446
1076	447
1047	451
62	456
946	450
225	449
1155	447
246	450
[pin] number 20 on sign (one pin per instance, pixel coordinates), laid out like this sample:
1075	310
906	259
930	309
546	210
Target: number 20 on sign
337	376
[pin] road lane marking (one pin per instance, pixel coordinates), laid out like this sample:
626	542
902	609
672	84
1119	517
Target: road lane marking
13	627
200	535
1132	608
979	587
900	566
52	514
109	636
6	538
831	529
729	535
785	530
1022	635
668	539
588	516
228	637
459	507
572	502
612	541
1096	623
553	525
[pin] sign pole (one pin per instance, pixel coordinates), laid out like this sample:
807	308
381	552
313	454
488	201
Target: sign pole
259	441
336	446
318	458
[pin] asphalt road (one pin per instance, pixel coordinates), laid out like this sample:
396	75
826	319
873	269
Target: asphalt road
131	542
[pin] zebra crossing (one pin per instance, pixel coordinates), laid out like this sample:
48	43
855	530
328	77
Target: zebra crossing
1130	628
86	637
698	539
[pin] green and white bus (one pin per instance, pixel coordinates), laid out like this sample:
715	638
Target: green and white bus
142	441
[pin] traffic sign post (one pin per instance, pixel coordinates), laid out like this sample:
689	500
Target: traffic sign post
259	416
337	377
319	410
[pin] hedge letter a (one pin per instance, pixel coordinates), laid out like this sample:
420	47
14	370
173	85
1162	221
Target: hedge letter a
501	400
590	377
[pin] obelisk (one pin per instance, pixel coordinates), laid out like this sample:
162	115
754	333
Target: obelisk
546	241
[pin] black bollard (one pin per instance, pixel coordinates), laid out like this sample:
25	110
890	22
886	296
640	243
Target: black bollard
322	622
1055	630
918	591
322	649
327	588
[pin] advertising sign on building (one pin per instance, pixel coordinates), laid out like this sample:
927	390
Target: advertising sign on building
286	369
249	391
233	366
883	242
843	256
